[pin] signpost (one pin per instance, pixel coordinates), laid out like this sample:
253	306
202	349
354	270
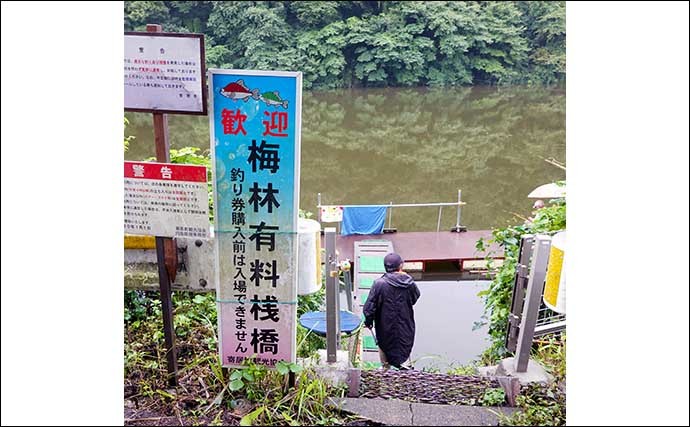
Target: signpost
164	74
255	141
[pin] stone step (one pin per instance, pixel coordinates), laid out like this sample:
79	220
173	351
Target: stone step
399	412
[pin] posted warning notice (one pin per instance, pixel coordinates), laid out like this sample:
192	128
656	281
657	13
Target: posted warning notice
166	200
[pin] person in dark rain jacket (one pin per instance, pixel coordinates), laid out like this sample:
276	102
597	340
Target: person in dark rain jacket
389	309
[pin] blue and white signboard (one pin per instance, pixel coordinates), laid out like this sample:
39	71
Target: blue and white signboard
255	141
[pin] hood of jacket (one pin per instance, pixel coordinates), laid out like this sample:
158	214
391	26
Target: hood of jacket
399	280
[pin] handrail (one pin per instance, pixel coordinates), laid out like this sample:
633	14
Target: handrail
399	205
440	205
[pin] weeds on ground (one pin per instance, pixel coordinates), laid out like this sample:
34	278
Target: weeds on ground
543	405
206	394
469	369
493	397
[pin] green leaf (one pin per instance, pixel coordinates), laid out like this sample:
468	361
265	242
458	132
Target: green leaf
248	375
296	368
236	385
248	419
236	375
282	367
288	418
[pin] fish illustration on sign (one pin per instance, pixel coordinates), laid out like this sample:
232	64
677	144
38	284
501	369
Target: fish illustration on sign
238	90
273	98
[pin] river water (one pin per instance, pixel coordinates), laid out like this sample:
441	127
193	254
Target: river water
369	146
445	316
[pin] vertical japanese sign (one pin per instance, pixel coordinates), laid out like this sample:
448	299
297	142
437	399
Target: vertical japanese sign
255	140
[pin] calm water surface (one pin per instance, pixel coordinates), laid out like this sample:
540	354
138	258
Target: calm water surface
445	315
371	146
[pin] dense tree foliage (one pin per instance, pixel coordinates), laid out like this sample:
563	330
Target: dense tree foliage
374	43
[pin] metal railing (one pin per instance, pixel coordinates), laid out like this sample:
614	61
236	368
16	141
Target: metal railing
458	227
529	317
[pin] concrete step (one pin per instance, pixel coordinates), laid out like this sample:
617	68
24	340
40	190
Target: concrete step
399	412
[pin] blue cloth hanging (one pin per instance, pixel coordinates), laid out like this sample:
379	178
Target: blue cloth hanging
363	220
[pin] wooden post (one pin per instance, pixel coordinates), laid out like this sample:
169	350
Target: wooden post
166	303
165	264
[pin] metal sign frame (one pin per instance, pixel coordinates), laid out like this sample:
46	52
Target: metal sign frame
296	180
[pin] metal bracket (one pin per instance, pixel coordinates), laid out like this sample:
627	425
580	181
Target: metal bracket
518	297
533	295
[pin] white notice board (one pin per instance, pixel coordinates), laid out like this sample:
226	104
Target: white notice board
165	73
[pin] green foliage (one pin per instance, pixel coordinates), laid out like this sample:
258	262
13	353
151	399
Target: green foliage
321	57
470	369
306	404
263	393
255	34
189	156
369	366
308	342
498	295
128	139
355	43
543	406
176	16
314	14
195	321
138	306
493	397
550	352
538	408
545	28
140	13
311	302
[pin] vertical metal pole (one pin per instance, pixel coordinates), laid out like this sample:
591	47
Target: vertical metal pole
332	296
160	135
390	214
438	224
318	206
535	288
348	289
457	220
519	287
459	228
